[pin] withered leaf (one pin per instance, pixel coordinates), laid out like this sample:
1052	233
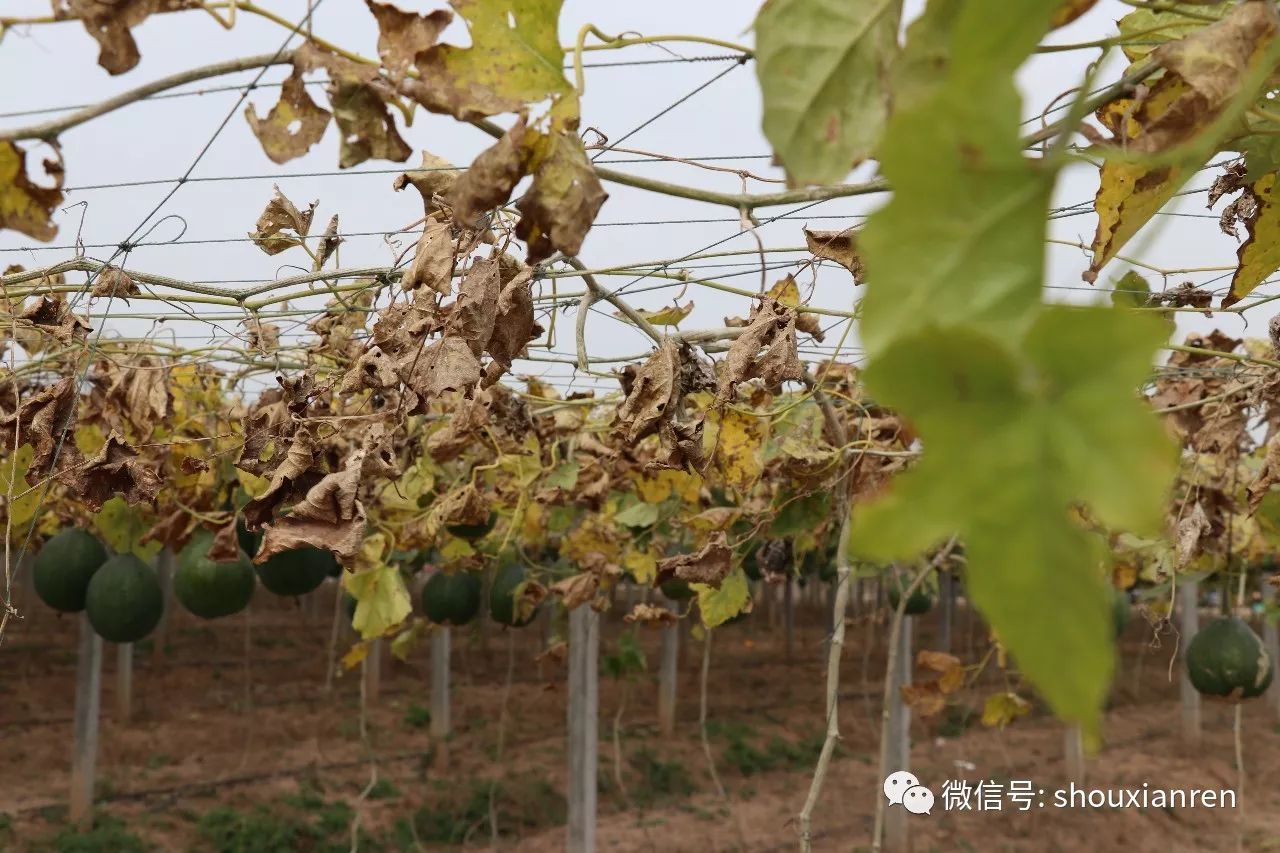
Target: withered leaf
368	130
329	243
839	246
652	615
226	543
465	420
173	530
292	474
924	699
653	393
41	421
1267	476
262	337
331	516
1192	528
25	206
434	179
359	96
577	590
113	282
374	370
562	202
403	35
767	350
444	365
432	264
475	311
109	23
278	219
513	327
491	177
295	123
467	505
53	316
116	470
710	565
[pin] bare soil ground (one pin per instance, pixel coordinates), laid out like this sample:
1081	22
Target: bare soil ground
220	756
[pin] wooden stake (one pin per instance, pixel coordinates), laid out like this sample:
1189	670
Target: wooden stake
441	724
1073	744
667	673
1188	625
899	745
124	683
584	710
84	756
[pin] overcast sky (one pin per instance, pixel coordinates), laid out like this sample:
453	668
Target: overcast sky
56	65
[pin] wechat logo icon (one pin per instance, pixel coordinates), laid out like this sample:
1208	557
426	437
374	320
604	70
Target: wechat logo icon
904	789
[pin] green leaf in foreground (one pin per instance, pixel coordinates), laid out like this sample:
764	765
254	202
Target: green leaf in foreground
823	69
1013	441
962	241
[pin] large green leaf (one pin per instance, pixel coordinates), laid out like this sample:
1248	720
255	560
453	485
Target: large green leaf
961	244
1014	439
823	68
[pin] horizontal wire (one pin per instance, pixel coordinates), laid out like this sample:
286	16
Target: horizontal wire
341	173
161	96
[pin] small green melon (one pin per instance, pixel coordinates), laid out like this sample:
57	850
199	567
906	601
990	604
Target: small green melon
64	567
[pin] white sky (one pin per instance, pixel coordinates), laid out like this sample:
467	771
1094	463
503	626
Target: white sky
158	139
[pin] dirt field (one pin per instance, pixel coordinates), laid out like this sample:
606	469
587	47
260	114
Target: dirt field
220	757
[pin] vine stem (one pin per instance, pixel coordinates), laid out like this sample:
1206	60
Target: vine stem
50	129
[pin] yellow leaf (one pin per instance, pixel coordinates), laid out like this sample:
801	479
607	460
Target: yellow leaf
669	316
22	509
1129	194
456	549
121	526
738	448
355	655
643	565
1124	574
252	484
89	439
409	639
382	602
1001	709
717	606
656	486
786	292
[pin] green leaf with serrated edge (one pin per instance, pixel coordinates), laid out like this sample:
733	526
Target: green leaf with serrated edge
796	515
717	606
1131	291
1014	439
961	242
1143	30
638	515
382	602
514	60
121	526
565	476
823	67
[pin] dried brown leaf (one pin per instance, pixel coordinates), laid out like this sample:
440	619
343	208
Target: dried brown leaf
403	35
491	177
281	225
562	202
331	516
710	565
25	206
649	614
839	246
433	261
293	125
